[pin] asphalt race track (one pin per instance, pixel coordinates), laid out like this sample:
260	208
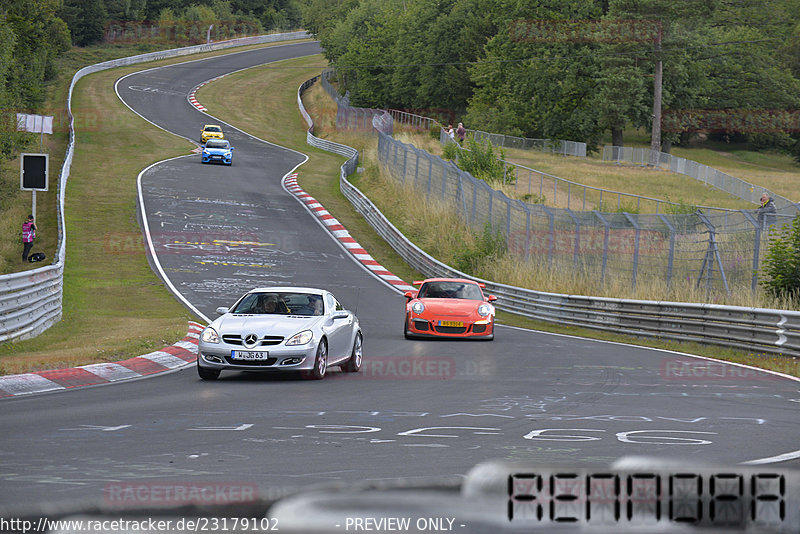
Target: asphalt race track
418	408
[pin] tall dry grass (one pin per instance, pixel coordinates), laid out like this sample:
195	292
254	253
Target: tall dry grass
436	228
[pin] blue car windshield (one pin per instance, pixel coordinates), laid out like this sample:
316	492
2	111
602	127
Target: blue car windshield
306	304
450	290
216	143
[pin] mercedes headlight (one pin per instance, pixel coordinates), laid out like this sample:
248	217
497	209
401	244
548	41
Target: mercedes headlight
484	310
210	335
418	307
301	338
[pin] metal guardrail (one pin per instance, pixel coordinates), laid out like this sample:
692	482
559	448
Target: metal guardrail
758	329
349	166
30	301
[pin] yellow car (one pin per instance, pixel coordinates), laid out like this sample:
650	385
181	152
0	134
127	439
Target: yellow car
211	131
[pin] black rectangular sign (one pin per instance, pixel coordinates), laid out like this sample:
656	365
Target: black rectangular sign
33	172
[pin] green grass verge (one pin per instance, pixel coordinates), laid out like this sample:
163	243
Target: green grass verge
232	97
114	306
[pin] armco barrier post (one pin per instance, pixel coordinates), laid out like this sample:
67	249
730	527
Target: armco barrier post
635	248
756	247
605	245
577	251
671	256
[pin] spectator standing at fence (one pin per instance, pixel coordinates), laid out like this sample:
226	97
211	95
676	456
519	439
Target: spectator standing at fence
28	235
461	132
450	132
767	213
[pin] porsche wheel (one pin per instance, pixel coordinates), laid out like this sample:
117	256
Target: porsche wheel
406	333
353	365
320	362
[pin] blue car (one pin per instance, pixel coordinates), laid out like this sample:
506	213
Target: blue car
217	151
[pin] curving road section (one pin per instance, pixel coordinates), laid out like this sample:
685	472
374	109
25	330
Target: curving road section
418	408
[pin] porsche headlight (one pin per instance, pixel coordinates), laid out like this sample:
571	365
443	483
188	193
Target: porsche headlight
210	335
484	310
301	338
418	307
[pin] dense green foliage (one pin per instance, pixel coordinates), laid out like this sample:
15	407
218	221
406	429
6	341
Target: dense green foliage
510	66
488	245
31	38
782	262
482	162
34	33
91	21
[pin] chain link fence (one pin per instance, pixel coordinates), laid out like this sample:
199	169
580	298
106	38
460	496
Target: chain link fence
530	183
718	251
763	330
703	173
554	146
715	249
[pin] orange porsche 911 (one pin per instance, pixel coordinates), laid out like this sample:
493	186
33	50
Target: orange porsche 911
449	307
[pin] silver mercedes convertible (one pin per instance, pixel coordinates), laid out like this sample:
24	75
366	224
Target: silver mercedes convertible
281	329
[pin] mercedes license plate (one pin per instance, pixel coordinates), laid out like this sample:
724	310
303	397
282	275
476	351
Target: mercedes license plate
249	355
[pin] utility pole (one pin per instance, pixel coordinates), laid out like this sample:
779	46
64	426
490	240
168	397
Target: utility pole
655	140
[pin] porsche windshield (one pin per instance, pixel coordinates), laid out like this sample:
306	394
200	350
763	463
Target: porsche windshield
280	304
450	290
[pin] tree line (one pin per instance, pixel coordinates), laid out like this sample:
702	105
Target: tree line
34	33
574	69
89	20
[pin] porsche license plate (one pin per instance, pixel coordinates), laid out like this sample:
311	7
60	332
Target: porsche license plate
249	355
450	323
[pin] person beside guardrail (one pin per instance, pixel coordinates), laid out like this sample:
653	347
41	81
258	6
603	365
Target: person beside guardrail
28	235
461	132
767	212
